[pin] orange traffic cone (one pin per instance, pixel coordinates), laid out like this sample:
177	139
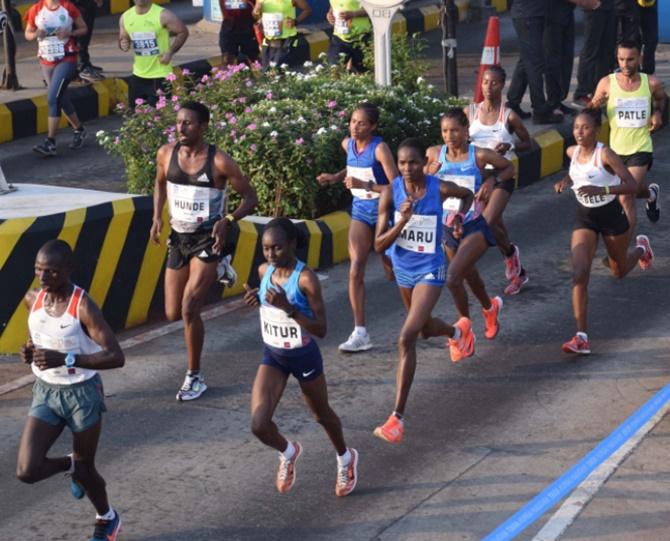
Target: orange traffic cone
490	54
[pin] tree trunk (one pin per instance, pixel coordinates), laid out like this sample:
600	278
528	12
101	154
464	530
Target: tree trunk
9	81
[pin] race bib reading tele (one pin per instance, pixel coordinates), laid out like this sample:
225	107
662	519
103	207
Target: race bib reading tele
419	234
279	330
188	203
366	175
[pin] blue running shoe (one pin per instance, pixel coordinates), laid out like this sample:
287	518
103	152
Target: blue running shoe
76	489
107	530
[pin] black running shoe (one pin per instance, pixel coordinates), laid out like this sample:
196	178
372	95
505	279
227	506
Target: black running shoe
46	148
653	208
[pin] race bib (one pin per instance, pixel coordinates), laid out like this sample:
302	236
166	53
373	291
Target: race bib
342	26
279	330
235	4
62	344
145	43
51	48
631	112
419	234
453	204
188	203
272	25
594	200
366	175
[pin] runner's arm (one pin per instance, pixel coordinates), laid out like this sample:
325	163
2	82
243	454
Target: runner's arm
160	193
251	295
612	161
519	129
385	157
305	11
451	189
176	28
432	160
658	98
601	95
124	37
227	168
385	236
310	286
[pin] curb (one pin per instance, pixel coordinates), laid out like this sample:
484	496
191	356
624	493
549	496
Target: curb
121	268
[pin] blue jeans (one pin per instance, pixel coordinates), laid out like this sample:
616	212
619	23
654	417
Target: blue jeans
58	77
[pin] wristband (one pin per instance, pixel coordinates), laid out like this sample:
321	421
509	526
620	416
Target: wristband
230	218
607	190
370	185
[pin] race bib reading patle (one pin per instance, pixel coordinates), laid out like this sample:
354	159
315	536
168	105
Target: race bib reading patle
51	49
632	112
279	330
188	203
235	4
419	234
342	26
453	204
145	43
272	25
366	175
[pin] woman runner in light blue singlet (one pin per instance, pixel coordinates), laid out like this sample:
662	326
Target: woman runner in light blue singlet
410	224
460	162
369	166
292	312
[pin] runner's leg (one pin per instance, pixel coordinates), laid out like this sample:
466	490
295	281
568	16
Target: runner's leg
583	248
37	438
622	260
315	393
471	249
84	446
267	390
361	237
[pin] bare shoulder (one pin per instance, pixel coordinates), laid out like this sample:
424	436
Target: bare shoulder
29	297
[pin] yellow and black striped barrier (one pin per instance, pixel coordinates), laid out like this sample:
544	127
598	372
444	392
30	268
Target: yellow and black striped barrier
121	268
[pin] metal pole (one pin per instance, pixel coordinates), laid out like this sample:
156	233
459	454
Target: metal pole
449	45
9	81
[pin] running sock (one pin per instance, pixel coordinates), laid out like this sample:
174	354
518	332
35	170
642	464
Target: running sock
192	373
398	416
511	250
71	469
289	451
489	309
457	333
109	515
79	129
343	460
361	331
583	336
652	195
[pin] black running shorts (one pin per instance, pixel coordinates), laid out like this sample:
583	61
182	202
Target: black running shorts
639	159
609	220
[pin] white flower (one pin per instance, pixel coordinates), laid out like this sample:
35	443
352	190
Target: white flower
319	67
100	133
284	66
266	124
272	109
273	133
420	80
273	64
301	120
334	127
308	64
321	131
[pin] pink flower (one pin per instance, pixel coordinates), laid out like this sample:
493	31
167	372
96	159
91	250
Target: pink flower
175	99
253	147
251	126
299	141
171	77
233	120
268	96
172	139
186	71
205	78
248	83
160	105
117	140
177	107
331	104
248	109
341	113
139	101
242	100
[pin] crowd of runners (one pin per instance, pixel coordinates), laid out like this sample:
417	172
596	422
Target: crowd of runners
430	212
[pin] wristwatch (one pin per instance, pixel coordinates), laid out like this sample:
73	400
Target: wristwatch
70	359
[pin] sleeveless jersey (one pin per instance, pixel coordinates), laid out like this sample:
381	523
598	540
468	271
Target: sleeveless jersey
51	49
347	30
194	202
629	114
275	12
364	165
280	332
64	334
418	248
467	175
150	40
592	173
490	135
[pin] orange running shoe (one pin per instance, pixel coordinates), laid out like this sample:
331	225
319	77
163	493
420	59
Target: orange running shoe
391	431
464	347
491	318
577	345
648	256
286	470
347	476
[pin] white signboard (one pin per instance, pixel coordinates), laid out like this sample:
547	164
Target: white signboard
381	14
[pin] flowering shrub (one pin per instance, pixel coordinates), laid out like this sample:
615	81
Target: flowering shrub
282	127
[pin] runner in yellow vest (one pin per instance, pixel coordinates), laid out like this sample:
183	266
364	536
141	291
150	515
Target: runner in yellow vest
635	103
350	25
147	29
279	21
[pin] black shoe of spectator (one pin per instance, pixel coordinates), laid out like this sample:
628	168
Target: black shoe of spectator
567	110
581	102
547	118
518	110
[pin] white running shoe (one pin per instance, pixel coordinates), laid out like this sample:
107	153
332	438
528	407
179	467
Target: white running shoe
192	388
225	273
355	343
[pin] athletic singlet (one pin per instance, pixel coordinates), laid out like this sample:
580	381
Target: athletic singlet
418	248
195	203
51	49
592	173
365	166
629	114
467	175
281	332
64	334
489	136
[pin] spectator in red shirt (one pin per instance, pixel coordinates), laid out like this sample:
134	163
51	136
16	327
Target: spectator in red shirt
55	25
236	37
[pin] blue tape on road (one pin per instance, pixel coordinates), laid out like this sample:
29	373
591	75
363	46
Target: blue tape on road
551	495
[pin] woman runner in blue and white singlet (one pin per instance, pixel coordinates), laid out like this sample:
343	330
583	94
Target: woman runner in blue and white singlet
410	224
494	126
369	166
292	313
597	176
460	162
